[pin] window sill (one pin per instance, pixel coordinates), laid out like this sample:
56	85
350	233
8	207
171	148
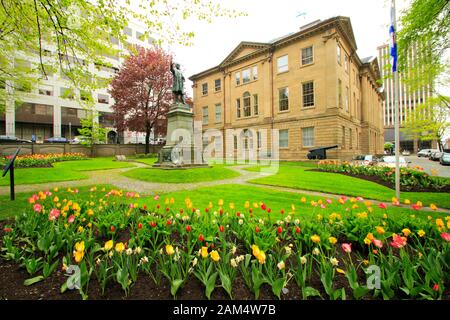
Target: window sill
307	108
217	91
243	84
246	118
284	111
306	65
282	72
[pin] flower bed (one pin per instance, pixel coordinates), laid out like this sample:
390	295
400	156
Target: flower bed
411	179
224	250
42	160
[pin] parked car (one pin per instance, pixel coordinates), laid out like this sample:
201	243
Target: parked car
389	161
425	152
57	140
366	160
406	153
445	159
11	139
435	156
78	139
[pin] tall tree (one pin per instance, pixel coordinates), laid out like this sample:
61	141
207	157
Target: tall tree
70	35
429	121
142	91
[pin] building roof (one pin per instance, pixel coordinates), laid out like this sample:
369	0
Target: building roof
341	23
367	59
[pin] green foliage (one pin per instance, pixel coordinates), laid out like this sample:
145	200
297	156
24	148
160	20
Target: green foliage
91	130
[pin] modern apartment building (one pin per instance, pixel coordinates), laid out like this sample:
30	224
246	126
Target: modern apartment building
408	100
309	85
51	109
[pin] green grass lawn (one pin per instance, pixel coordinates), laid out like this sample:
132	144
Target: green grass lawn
147	161
217	172
300	178
63	171
237	194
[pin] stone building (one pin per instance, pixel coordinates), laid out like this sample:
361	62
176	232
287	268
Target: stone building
309	85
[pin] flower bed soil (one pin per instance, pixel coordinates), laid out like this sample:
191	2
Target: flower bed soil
378	180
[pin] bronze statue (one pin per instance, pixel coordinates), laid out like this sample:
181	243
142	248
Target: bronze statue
178	82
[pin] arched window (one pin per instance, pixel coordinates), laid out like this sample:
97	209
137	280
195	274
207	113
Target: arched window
247	139
247	108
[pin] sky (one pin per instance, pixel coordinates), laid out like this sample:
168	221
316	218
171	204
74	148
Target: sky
269	19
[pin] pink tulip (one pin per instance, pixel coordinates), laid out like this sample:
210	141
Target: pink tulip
323	206
37	207
360	198
54	214
347	247
71	219
416	206
399	242
436	287
377	243
445	236
156	198
329	201
382	205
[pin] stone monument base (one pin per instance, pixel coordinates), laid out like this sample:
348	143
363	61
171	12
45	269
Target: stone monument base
179	152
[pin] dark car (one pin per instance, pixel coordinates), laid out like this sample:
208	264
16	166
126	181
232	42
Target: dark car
11	139
435	156
445	159
57	140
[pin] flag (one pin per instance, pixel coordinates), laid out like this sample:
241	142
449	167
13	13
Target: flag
393	39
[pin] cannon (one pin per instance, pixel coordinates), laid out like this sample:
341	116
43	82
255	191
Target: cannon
319	153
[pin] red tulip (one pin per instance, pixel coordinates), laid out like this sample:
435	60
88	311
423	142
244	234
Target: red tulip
263	206
282	211
436	287
257	229
181	210
347	247
250	210
269	210
113	228
158	206
280	229
153	224
297	230
382	205
221	229
206	210
7	230
201	238
445	236
168	222
167	209
188	228
212	245
140	226
145	207
193	210
221	211
238	214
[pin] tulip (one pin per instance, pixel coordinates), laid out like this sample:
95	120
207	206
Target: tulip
37	207
113	228
436	287
263	206
221	229
398	241
119	247
347	247
215	256
377	243
279	230
169	249
257	229
108	245
445	236
281	265
382	205
7	230
433	207
140	226
78	255
332	240
201	238
282	211
421	233
315	238
188	228
71	219
168	222
297	230
204	252
406	232
153	224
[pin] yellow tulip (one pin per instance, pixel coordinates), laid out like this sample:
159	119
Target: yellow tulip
215	255
332	240
90	212
315	238
255	250
407	201
380	230
303	199
433	207
169	249
79	246
108	245
78	255
220	202
120	247
261	257
247	205
204	252
421	233
340	270
406	232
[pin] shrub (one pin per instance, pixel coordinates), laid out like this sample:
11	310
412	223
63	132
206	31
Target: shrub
42	160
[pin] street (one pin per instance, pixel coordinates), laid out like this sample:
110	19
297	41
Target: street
430	167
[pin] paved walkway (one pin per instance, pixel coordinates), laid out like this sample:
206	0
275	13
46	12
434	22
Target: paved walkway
114	177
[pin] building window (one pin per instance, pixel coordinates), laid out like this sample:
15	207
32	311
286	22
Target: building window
258	139
103	98
347	96
339	54
255	104
307	56
204	89
284	138
343	137
128	31
246	76
247	107
283	94
67	93
217	85
340	93
255	72
282	63
308	94
346	63
308	137
218	112
205	115
238	78
46	91
238	108
350	132
235	142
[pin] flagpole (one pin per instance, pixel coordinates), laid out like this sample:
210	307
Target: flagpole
396	116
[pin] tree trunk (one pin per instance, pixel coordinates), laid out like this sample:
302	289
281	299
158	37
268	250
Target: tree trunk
147	139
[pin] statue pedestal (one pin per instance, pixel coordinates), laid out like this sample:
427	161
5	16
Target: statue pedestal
180	151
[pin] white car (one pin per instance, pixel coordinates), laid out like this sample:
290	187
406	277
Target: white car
426	152
389	161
